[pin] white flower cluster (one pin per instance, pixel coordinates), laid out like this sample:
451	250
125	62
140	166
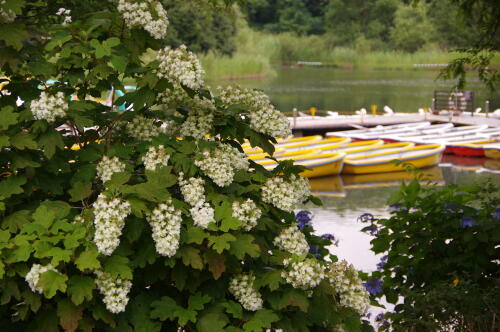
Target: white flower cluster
197	124
263	116
107	166
67	15
177	96
192	189
6	15
142	128
180	66
165	221
49	107
148	14
194	194
241	286
247	212
156	156
202	214
283	194
221	164
344	278
291	239
33	276
109	219
115	291
305	275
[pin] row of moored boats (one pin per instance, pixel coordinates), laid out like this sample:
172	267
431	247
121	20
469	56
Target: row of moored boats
381	149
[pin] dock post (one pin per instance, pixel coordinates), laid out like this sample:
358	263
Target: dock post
294	117
487	108
433	106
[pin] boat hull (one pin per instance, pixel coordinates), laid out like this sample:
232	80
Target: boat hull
466	151
332	168
492	153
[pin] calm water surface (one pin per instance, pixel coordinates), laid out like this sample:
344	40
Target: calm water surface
348	90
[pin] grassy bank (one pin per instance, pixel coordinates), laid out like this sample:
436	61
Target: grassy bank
256	51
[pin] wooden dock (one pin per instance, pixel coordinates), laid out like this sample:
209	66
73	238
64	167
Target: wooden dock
318	124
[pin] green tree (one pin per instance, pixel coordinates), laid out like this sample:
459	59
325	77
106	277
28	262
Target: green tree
412	29
142	212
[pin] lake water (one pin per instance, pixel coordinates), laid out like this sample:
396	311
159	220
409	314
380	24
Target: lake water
348	90
346	198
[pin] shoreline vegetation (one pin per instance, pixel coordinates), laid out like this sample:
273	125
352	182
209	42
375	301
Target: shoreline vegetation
258	52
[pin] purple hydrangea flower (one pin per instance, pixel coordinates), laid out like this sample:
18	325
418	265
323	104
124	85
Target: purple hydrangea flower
372	230
396	207
374	286
366	217
383	261
467	222
303	219
379	317
330	237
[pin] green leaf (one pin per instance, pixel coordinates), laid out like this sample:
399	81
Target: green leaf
139	313
212	322
49	141
13	34
164	308
4	141
197	301
195	235
216	263
16	220
101	50
57	254
119	63
80	191
69	315
191	256
51	282
12	185
117	179
43	216
261	320
294	298
80	288
118	266
271	279
23	140
7	117
88	260
138	207
221	242
234	308
244	245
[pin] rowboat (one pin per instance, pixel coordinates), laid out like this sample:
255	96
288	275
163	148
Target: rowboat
417	156
390	178
379	129
320	165
492	152
462	163
387	148
263	158
471	149
354	147
455	132
400	136
320	145
290	142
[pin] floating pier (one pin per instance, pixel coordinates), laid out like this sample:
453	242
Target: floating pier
306	125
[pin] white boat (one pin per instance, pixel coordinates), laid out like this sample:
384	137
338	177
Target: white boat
378	129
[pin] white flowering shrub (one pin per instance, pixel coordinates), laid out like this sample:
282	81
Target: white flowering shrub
285	194
305	274
114	290
49	107
345	280
109	219
165	221
242	288
108	166
156	156
141	212
247	212
33	276
292	240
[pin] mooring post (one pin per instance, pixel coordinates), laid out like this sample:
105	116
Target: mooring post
294	117
487	107
433	106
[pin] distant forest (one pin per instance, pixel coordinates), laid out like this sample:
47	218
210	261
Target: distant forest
363	24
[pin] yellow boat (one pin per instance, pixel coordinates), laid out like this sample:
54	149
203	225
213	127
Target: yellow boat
354	147
390	179
492	151
263	158
379	149
324	144
419	156
321	165
290	142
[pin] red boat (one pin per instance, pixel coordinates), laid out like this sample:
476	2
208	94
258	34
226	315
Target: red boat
471	149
